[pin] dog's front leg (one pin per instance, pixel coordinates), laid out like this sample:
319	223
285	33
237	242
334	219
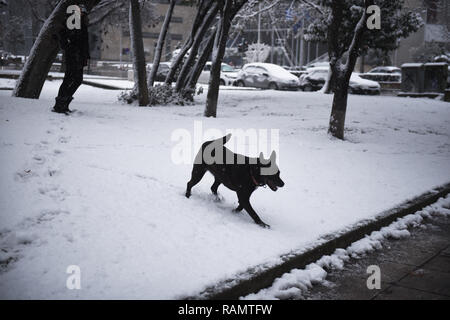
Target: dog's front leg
244	202
238	209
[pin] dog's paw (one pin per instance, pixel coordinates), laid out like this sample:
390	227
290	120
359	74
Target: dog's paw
188	195
217	198
264	225
238	209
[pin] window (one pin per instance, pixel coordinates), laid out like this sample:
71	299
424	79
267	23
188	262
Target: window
260	70
177	20
175	36
227	68
252	70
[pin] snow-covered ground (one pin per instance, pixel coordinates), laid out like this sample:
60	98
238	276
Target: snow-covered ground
99	189
294	284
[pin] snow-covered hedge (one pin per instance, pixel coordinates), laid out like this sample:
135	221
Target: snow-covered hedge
158	95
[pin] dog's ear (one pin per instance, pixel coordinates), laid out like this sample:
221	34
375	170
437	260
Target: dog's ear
261	158
226	138
273	156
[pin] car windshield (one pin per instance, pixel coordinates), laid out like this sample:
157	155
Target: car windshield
227	68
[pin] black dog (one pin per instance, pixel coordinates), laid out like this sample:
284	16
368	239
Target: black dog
237	172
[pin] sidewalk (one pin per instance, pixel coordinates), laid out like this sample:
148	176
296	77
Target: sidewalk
416	267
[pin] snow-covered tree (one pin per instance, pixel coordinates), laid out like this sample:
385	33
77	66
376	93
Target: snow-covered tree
257	52
227	12
44	52
203	8
160	43
137	45
343	24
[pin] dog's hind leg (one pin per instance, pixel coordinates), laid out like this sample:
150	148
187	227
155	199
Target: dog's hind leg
238	209
197	174
215	186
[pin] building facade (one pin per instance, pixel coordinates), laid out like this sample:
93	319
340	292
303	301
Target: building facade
115	42
433	34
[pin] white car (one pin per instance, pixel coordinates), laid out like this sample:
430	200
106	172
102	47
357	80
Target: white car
317	77
266	76
227	75
384	74
389	70
359	85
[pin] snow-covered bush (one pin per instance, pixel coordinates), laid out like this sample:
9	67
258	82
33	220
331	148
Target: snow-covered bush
158	95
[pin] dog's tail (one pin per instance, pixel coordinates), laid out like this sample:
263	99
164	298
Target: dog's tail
213	144
222	140
226	138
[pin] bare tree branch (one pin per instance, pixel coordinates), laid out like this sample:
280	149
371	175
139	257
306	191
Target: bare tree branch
34	12
313	5
254	14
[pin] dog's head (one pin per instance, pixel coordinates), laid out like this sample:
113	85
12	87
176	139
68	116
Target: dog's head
270	173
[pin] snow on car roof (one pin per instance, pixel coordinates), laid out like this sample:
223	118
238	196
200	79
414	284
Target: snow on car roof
275	70
436	64
406	65
318	69
388	67
268	66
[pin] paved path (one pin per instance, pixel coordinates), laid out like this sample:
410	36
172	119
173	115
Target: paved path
417	267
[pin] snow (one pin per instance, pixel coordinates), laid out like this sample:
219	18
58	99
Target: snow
412	65
436	64
294	283
7	83
364	83
98	189
275	71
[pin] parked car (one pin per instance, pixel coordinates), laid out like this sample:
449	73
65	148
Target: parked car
163	71
317	64
317	77
266	76
227	75
384	74
359	85
7	58
386	70
296	71
314	80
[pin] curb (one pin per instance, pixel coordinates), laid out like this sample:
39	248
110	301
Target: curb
260	277
102	86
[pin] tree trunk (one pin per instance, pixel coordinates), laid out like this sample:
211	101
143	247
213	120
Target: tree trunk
203	8
187	66
339	108
341	73
137	45
176	64
43	52
160	45
218	52
363	62
200	64
328	86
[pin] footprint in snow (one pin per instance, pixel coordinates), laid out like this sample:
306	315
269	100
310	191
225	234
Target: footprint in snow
63	139
39	159
24	175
